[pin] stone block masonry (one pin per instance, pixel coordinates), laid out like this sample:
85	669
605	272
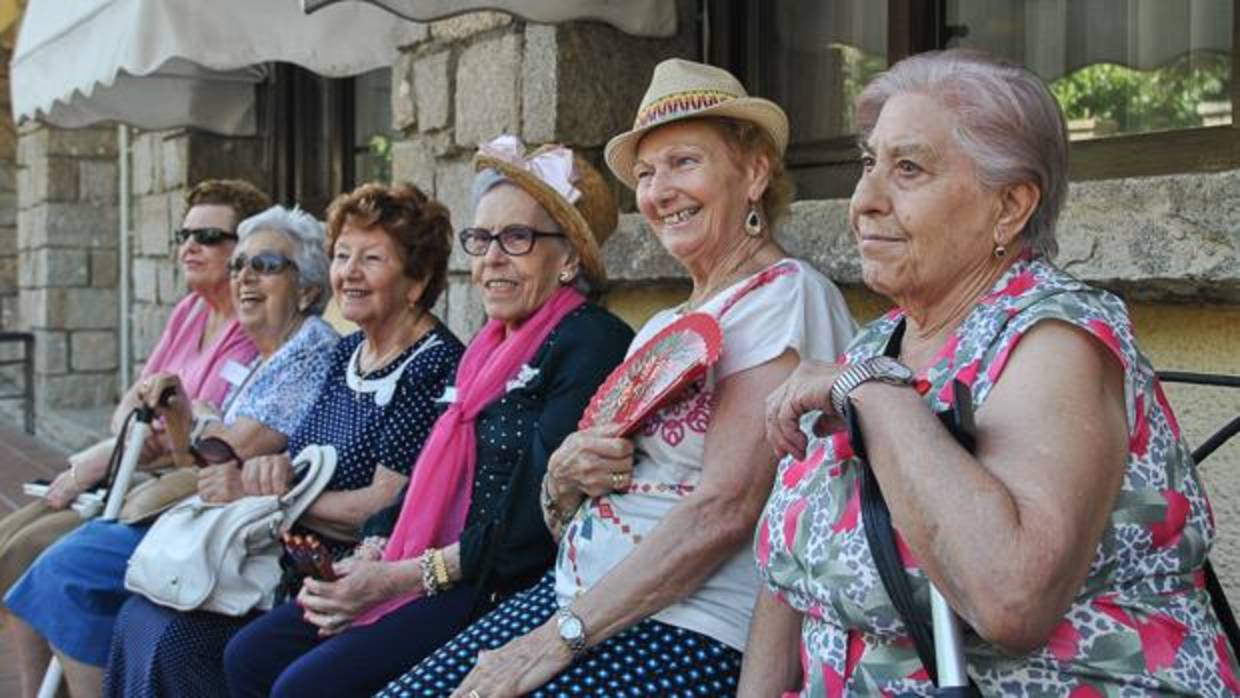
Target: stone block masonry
66	240
470	78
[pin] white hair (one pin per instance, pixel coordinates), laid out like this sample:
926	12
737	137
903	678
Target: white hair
1007	122
309	239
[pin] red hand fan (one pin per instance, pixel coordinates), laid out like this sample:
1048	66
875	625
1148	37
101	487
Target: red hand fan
653	375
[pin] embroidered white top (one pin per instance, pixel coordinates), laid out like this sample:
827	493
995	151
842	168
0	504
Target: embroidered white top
798	309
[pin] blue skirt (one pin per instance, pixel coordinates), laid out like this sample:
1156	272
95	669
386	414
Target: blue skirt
73	591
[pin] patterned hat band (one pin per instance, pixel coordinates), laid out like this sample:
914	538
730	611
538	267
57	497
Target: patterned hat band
679	104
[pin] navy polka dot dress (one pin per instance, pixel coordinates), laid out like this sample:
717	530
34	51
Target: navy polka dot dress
372	420
648	659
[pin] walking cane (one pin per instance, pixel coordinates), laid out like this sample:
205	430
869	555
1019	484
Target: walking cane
948	643
139	426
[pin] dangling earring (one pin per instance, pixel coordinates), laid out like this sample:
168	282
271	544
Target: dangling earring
566	277
1000	251
753	222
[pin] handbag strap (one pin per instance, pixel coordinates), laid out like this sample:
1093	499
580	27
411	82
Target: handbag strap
317	465
881	537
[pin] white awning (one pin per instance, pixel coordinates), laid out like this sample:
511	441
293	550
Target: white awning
169	63
636	17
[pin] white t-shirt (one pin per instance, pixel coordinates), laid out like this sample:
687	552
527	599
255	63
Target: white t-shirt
798	309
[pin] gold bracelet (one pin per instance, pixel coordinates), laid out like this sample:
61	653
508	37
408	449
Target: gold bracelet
440	566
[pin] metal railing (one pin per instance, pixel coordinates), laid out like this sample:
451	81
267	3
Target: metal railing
26	339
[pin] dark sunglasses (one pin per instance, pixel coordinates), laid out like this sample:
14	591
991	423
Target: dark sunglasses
514	240
264	263
203	236
212	450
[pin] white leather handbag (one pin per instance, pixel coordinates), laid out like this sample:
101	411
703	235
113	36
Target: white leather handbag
225	558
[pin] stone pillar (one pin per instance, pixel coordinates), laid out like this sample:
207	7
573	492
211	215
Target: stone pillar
165	165
465	80
67	262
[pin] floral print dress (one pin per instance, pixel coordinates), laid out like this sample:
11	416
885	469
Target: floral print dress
1142	623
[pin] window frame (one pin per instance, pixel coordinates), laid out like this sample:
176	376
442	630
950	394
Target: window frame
734	28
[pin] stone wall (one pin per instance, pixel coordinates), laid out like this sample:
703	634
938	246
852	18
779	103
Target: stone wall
465	80
67	262
8	199
165	164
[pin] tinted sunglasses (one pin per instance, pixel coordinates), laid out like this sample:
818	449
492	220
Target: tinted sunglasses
264	263
203	236
514	240
212	450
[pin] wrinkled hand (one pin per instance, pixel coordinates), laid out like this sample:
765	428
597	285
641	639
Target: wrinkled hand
333	606
62	491
267	474
591	464
220	484
518	667
153	386
808	388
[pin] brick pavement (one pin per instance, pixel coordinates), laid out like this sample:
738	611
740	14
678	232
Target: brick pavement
22	458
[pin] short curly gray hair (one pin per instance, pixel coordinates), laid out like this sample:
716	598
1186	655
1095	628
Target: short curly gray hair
1007	121
309	239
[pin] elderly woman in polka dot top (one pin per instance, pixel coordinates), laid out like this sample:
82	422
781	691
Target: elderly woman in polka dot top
389	249
470	531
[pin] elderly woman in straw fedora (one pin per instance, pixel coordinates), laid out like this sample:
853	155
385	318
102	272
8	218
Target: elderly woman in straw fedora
469	530
654	582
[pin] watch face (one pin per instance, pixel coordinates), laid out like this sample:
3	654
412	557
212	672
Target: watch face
570	628
888	368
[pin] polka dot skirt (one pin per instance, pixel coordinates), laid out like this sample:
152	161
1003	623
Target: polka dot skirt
648	659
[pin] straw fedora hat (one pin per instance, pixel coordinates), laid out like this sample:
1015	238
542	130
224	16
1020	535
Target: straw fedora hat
681	89
587	223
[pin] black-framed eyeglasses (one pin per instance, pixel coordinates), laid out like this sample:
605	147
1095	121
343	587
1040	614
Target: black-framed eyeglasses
212	450
265	263
514	240
204	236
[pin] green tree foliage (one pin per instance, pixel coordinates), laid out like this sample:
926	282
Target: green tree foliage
1124	100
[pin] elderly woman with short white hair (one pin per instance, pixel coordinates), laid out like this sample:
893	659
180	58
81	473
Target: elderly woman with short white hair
278	273
1072	538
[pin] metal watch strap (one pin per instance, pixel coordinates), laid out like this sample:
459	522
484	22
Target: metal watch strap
846	382
577	644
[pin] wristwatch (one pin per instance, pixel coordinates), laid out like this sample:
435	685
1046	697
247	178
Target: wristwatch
875	368
572	631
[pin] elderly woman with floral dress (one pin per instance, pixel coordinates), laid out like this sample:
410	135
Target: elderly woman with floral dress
389	250
654	580
1071	540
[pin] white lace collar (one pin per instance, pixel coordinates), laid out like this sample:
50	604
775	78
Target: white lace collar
383	388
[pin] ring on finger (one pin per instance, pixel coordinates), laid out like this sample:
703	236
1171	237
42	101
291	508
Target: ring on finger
617	480
474	694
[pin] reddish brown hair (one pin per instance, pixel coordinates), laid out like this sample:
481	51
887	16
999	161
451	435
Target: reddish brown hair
419	225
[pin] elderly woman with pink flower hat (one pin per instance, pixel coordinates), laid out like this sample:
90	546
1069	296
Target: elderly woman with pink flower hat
469	530
654	581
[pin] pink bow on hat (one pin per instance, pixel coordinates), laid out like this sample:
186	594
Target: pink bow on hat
553	165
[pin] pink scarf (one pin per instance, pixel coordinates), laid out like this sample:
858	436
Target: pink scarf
437	501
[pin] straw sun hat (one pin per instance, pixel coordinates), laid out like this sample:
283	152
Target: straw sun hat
681	89
567	186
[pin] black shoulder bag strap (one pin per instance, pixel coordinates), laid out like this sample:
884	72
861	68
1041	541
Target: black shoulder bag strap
881	536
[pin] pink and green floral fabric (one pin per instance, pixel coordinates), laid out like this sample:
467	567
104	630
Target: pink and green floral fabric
1142	623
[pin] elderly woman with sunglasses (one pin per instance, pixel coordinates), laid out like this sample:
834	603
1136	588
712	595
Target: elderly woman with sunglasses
72	593
470	531
389	248
201	338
